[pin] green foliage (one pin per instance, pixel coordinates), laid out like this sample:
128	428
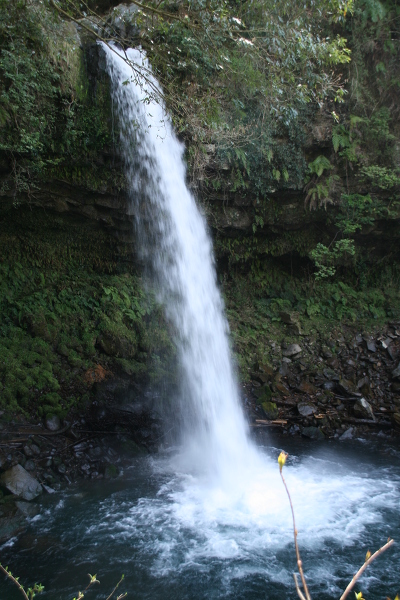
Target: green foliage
319	165
327	258
61	316
356	211
256	296
381	177
46	113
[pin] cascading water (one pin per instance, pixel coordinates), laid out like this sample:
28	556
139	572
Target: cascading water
173	233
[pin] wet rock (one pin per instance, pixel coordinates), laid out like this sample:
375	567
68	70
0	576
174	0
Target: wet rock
329	385
306	387
53	423
27	509
292	320
48	489
270	410
363	409
27	451
396	418
284	369
291	350
391	352
281	388
9	527
30	465
364	386
331	375
348	434
19	482
396	372
371	346
314	433
326	353
35	450
266	370
345	387
305	409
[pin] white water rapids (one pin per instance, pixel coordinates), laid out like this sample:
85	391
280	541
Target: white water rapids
223	499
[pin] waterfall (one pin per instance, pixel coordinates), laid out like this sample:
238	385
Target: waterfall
174	238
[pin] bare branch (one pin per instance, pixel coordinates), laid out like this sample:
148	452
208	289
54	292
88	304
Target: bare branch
299	563
298	590
352	583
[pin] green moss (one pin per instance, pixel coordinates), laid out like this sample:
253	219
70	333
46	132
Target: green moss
270	410
65	307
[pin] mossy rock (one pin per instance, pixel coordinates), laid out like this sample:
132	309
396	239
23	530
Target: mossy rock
264	394
270	410
118	346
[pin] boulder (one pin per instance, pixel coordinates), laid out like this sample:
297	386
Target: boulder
348	434
363	409
53	423
291	350
19	482
305	409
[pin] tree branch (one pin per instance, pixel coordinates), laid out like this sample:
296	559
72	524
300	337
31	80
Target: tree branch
352	583
19	586
299	563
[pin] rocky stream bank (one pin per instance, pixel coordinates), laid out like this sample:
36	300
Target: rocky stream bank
345	385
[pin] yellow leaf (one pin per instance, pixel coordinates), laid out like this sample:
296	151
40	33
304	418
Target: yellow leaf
281	460
358	596
397	597
368	555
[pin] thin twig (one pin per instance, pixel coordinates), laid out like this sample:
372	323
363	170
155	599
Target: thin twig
299	563
352	583
19	586
116	587
298	590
